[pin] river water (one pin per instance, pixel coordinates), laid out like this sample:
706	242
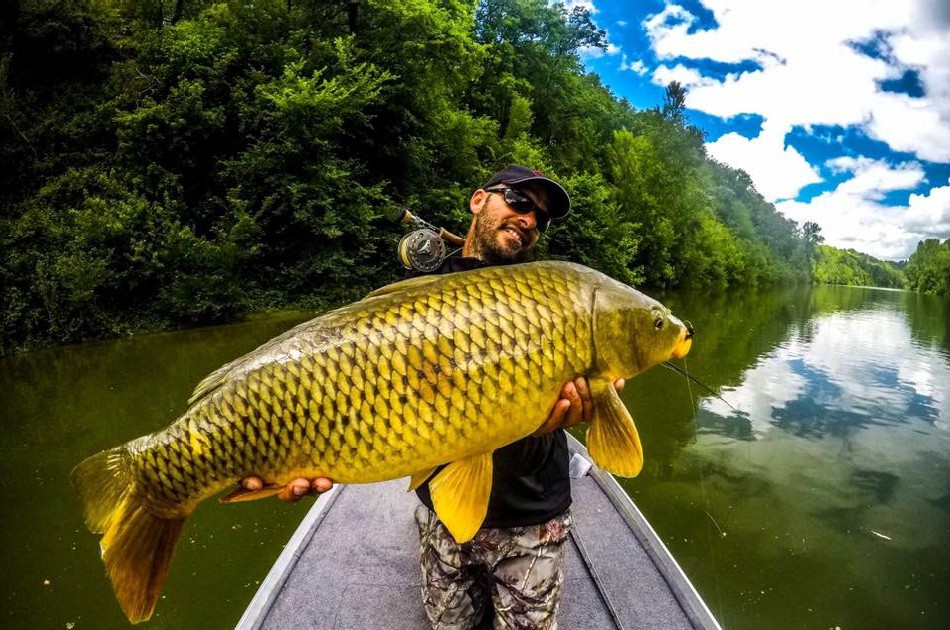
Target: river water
815	495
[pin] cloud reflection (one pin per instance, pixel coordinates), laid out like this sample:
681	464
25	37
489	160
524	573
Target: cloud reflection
843	372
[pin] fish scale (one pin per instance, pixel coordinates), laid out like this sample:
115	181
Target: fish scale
430	371
425	376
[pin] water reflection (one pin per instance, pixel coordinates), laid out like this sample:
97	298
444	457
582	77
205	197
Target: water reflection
851	371
822	498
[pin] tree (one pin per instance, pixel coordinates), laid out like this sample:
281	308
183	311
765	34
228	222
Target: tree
175	162
928	270
811	232
849	267
674	101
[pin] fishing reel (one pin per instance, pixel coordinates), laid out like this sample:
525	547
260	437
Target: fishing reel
424	248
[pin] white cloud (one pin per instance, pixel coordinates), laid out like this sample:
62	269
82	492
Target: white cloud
800	68
810	72
925	46
588	53
853	215
778	171
912	125
621	23
587	4
929	214
636	65
592	52
688	77
874	178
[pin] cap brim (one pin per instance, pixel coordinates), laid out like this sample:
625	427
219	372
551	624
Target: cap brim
559	202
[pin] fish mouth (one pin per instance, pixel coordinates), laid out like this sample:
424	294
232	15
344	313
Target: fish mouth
682	347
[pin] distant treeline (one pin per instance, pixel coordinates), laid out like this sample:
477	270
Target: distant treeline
928	270
181	162
846	266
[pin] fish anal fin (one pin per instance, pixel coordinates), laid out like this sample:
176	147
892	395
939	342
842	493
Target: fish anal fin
137	544
460	495
137	551
243	494
612	439
419	478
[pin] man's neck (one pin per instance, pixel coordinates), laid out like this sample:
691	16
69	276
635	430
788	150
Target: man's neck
470	248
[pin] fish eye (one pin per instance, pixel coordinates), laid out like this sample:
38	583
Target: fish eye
658	323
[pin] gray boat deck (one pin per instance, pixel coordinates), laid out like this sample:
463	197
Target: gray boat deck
352	564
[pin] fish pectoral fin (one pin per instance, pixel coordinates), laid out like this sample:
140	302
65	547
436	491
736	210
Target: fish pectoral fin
243	494
460	495
612	438
419	478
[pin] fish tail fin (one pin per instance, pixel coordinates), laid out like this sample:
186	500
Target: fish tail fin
137	545
612	439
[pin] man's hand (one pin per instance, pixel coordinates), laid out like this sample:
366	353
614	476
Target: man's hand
294	490
574	406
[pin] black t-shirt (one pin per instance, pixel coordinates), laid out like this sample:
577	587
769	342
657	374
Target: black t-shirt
530	481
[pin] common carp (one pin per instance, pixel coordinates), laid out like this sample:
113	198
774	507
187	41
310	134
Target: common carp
424	372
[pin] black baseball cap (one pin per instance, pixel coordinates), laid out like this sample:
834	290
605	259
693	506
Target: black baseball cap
513	174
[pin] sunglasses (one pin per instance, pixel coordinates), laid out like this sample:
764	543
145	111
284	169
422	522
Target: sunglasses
522	204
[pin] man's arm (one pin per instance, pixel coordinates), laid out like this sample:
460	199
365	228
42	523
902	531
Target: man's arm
573	408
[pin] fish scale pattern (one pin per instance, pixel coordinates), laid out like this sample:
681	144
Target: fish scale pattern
422	374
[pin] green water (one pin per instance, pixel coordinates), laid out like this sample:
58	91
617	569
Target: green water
59	406
822	500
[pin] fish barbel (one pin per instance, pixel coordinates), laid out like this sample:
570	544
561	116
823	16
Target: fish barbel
429	371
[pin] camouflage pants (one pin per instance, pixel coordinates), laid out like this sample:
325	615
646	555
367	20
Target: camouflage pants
516	570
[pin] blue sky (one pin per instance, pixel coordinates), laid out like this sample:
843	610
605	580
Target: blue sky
839	110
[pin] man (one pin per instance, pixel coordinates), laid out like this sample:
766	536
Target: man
514	561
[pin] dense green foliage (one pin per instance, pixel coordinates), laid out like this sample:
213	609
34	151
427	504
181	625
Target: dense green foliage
928	270
176	163
837	266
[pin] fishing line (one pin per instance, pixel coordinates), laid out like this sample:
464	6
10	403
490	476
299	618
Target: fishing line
702	477
672	366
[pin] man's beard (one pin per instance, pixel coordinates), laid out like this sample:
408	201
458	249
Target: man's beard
487	247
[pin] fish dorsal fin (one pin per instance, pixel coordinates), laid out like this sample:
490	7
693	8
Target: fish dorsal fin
420	477
612	438
257	356
460	495
212	381
410	283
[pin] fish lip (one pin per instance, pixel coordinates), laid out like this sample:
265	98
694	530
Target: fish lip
683	348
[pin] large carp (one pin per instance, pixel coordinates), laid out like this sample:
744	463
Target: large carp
429	371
